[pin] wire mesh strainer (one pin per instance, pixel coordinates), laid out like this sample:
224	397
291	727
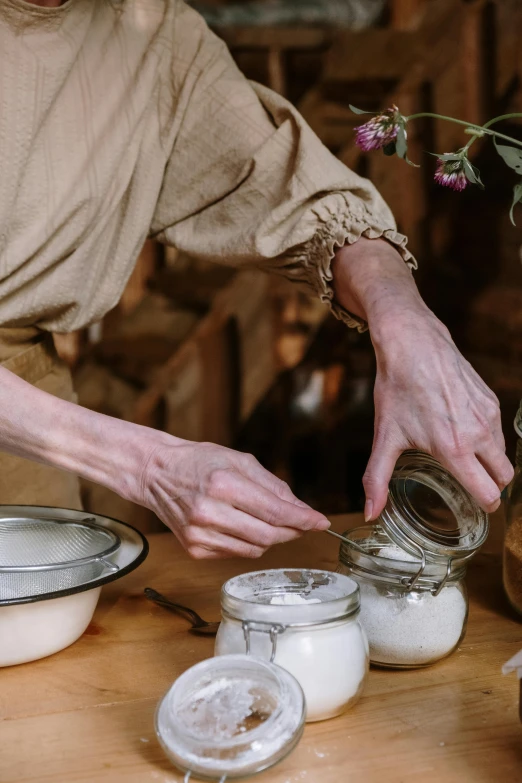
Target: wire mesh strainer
47	555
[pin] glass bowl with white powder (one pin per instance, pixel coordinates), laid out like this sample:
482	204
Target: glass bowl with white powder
307	622
411	564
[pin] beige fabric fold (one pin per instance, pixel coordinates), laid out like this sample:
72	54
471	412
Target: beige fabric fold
30	355
126	119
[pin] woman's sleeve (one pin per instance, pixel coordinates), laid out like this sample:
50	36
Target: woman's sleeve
248	183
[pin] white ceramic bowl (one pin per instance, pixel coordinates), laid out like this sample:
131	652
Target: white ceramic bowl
34	627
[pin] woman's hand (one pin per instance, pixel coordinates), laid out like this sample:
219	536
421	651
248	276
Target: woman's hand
222	503
427	396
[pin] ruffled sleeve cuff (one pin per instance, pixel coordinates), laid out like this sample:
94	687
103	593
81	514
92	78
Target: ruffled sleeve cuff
312	261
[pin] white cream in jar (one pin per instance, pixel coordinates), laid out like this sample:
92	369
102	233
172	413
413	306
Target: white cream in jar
307	622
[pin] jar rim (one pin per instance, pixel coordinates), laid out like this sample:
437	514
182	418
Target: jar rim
339	596
357	552
429	512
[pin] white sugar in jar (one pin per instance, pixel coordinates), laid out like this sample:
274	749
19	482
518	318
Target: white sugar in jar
407	627
307	622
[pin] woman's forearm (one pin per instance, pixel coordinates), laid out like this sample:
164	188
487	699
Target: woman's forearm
44	428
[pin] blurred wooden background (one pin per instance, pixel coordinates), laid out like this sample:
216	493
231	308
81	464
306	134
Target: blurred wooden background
245	360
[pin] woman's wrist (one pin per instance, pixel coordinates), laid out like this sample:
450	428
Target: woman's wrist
110	452
101	449
397	315
372	281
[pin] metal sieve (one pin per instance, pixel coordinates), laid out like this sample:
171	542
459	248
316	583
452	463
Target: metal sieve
42	554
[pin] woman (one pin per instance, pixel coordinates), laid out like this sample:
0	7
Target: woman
122	120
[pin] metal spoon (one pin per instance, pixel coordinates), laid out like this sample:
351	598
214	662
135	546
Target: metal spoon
199	626
337	535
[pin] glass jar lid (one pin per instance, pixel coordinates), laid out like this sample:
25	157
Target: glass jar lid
229	717
429	514
290	597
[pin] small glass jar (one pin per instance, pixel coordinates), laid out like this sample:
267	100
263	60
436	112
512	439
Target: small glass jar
407	627
512	565
230	717
410	565
307	622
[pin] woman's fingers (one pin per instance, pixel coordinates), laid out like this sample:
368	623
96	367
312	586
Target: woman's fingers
483	477
221	503
495	462
246	495
217	530
249	466
483	468
217	516
377	476
207	544
475	478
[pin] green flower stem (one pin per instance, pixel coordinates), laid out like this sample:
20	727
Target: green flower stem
488	124
480	128
470	142
502	117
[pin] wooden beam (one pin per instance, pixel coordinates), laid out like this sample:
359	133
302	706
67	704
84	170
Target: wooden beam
380	54
406	14
279	37
276	70
477	60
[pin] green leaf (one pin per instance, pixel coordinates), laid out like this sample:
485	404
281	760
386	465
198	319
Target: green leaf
401	145
517	198
359	111
389	149
472	173
511	155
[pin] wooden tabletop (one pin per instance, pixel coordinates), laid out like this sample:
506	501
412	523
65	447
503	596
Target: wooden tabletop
86	714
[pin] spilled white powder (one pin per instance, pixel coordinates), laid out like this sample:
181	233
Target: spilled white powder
410	629
292	599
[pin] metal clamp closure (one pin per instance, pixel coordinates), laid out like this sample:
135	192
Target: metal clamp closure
447	576
436	589
419	580
272	629
410	583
